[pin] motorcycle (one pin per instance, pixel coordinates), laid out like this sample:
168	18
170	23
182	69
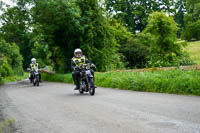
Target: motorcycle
36	80
87	79
34	77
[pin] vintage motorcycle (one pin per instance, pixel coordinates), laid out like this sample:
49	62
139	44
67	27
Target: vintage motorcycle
87	79
34	77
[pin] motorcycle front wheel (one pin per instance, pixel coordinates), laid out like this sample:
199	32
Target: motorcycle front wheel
92	87
81	91
34	81
37	79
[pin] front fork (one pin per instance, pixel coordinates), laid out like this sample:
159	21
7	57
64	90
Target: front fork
85	83
88	82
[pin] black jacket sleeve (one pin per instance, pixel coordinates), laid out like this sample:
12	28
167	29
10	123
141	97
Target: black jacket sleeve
72	64
39	66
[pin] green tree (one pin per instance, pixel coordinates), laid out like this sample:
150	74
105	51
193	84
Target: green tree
179	12
193	7
163	29
41	50
10	57
57	21
191	20
191	30
15	28
98	36
65	25
134	13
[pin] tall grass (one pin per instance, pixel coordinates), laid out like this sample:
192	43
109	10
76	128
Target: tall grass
193	49
65	78
172	81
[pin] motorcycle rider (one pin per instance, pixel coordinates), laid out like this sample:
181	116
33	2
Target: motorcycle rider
76	61
34	65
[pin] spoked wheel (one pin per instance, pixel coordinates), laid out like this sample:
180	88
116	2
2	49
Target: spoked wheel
92	87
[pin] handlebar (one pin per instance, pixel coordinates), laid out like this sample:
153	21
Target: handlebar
85	66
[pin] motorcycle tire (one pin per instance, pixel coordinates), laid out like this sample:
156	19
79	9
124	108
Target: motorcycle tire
34	82
92	87
37	81
81	91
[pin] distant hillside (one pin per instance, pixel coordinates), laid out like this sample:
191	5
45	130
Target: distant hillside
194	51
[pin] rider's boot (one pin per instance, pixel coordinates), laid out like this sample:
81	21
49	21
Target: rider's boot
77	83
40	78
77	87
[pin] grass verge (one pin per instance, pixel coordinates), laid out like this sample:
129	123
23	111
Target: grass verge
12	78
8	126
171	81
1	80
15	78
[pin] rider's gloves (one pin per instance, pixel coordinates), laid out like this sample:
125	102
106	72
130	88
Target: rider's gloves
93	65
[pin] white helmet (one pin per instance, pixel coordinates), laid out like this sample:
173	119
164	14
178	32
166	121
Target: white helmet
78	50
33	60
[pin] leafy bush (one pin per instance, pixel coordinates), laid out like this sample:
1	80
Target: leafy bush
135	53
6	70
9	70
10	55
3	72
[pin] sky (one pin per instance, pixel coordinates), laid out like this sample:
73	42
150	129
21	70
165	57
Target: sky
7	2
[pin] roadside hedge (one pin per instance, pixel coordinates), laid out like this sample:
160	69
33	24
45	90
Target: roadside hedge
171	81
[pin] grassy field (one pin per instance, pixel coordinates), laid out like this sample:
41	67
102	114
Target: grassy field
193	49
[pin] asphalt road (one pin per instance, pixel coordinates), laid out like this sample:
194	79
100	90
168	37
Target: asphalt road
57	108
